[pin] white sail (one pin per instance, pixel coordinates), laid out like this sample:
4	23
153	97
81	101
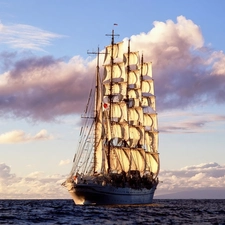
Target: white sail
107	127
150	122
117	131
139	110
148	101
142	135
138	160
134	79
120	161
125	128
135	93
115	51
117	72
146	71
151	141
131	58
118	91
118	112
134	136
124	159
133	116
152	162
148	87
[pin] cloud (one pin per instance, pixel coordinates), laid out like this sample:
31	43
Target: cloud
36	185
190	179
42	135
189	122
64	162
5	172
205	176
35	175
187	73
19	136
22	36
7	59
45	88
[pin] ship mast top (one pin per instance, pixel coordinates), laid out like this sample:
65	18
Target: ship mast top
111	85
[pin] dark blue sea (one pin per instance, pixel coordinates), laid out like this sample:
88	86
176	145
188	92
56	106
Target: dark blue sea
65	212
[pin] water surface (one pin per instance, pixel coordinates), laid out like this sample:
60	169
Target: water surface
191	211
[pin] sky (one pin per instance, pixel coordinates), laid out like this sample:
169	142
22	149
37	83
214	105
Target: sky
45	77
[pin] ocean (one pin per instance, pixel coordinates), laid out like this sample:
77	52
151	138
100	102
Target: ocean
192	211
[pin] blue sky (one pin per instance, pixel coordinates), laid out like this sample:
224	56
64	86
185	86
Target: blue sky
45	74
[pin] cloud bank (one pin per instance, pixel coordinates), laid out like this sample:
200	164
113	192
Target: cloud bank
192	179
36	185
186	71
44	88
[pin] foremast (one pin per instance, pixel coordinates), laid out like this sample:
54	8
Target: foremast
98	121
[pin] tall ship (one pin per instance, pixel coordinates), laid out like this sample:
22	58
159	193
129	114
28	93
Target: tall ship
117	159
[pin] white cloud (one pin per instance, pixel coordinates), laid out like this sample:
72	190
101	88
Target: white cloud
185	69
45	88
35	175
219	60
207	177
25	36
43	135
186	74
197	177
64	162
5	172
34	185
191	178
169	40
19	136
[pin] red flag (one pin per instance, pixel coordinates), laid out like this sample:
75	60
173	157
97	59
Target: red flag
105	106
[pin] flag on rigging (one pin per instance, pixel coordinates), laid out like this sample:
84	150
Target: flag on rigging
105	106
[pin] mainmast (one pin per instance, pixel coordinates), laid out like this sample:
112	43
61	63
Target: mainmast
128	70
127	97
110	94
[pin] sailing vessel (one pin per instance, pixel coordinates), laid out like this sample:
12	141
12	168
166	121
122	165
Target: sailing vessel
117	159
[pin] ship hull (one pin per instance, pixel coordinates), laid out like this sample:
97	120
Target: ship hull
94	194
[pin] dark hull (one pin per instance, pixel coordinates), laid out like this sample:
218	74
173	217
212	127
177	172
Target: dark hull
94	194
